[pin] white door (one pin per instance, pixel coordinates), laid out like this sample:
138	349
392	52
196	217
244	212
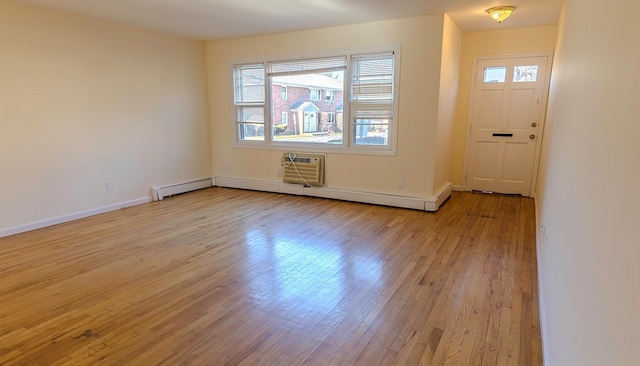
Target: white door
310	124
506	112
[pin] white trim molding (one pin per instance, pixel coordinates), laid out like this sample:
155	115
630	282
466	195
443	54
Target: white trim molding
157	194
415	203
70	217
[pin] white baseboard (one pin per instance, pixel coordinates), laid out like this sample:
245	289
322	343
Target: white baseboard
541	304
415	203
71	217
457	188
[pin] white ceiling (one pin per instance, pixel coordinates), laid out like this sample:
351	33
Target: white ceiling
220	19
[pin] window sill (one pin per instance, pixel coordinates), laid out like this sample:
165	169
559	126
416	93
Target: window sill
317	148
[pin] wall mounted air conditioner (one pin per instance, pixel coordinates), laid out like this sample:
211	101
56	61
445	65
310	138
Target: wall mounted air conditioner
307	169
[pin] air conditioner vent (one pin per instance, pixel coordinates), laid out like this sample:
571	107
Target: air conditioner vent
305	169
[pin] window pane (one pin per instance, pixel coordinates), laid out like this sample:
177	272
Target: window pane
249	84
251	114
251	131
495	74
371	132
524	74
310	117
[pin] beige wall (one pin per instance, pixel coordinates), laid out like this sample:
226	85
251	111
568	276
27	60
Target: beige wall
421	40
588	190
449	73
85	101
508	41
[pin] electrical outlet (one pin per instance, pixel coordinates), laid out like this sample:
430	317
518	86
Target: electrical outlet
226	168
108	186
401	184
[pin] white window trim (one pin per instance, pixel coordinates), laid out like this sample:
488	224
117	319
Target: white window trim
347	148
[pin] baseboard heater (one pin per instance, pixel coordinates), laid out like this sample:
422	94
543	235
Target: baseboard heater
159	193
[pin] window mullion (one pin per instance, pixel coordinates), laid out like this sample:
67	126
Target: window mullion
347	118
268	124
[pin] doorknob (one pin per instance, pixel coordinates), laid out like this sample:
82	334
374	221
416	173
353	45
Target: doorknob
532	136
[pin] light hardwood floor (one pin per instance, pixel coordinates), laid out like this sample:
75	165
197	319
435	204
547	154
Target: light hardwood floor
228	277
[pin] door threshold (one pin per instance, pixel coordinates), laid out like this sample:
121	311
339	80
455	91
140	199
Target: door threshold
496	193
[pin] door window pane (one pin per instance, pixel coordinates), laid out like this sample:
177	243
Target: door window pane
495	74
526	73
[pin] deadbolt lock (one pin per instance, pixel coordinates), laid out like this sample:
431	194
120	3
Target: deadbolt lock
534	124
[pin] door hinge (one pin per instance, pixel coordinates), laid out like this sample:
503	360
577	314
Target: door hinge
538	101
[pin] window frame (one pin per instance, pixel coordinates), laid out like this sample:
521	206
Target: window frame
347	146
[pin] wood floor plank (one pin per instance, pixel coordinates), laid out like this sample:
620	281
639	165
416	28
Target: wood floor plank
234	277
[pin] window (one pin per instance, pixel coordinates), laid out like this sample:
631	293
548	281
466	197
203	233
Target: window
249	101
494	74
314	94
345	102
329	95
525	74
307	79
372	96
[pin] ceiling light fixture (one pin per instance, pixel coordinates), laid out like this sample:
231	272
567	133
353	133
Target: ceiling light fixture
500	13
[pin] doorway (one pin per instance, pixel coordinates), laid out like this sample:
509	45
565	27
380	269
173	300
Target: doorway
506	117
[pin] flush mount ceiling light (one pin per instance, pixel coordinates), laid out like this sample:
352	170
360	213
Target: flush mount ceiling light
500	13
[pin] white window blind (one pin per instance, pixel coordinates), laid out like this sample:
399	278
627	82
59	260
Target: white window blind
372	98
372	86
305	66
249	83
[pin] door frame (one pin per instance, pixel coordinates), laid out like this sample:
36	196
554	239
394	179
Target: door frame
543	112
